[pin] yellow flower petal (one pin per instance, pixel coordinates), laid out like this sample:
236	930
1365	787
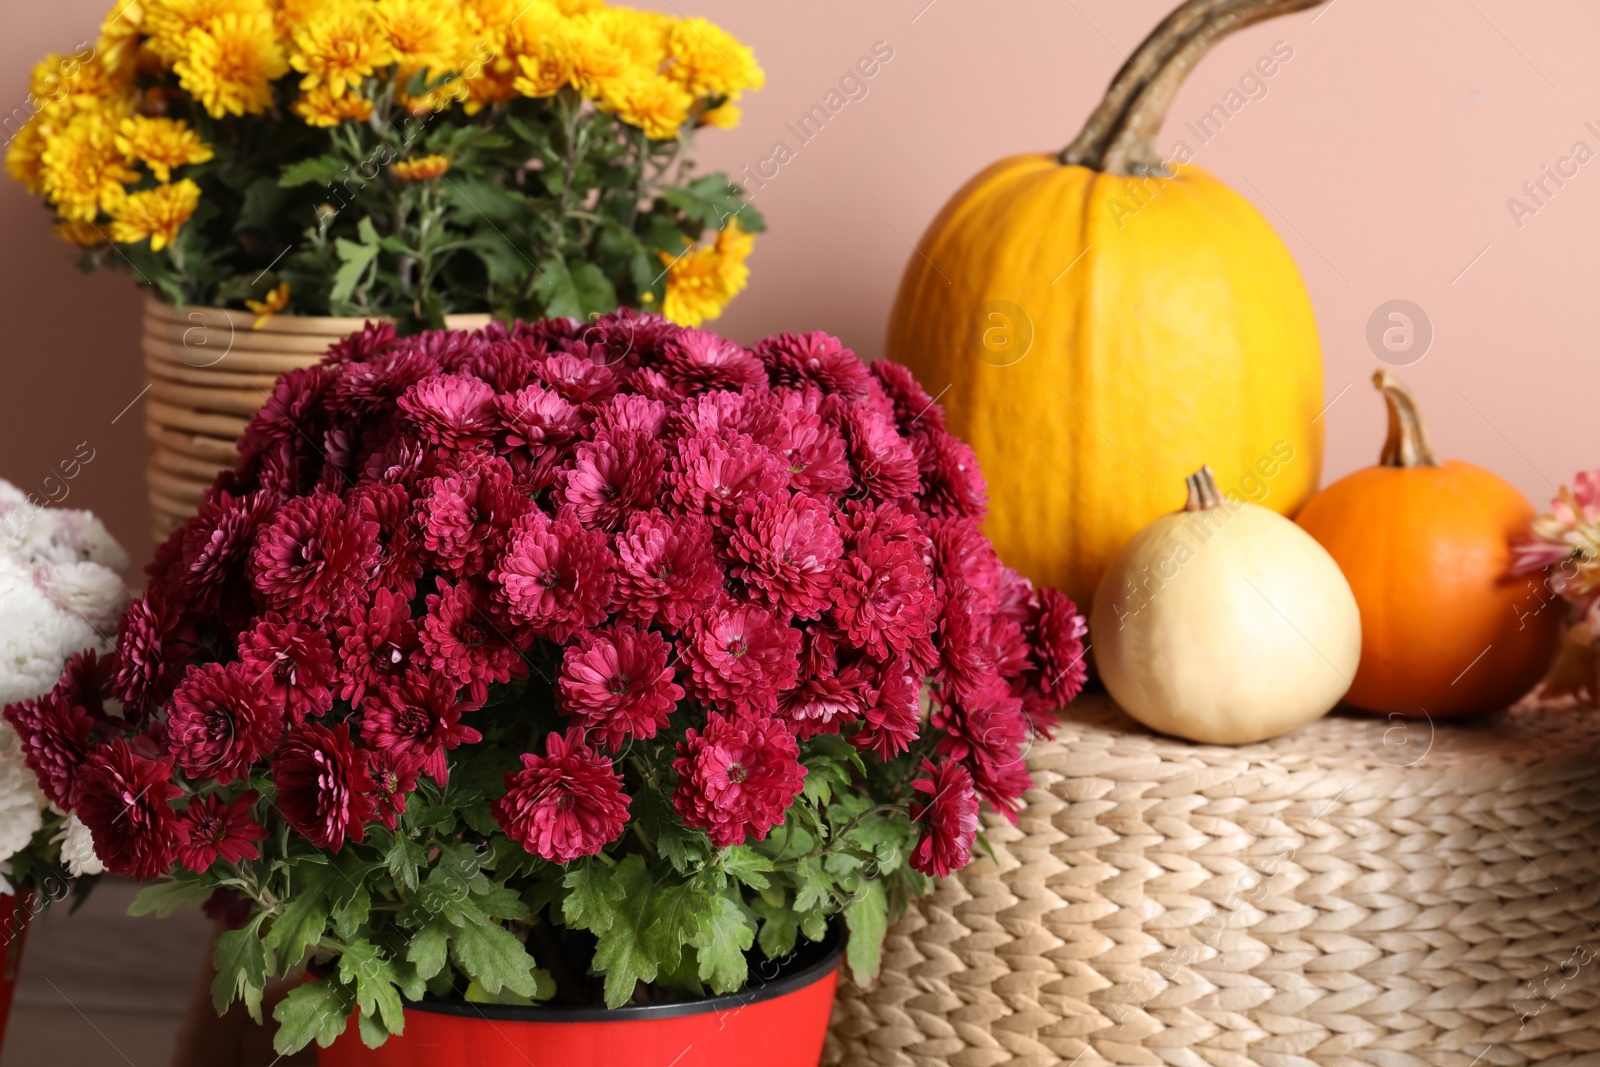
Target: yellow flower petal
276	300
154	213
161	144
229	64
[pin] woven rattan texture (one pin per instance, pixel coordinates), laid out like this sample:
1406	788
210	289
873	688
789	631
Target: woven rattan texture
1360	892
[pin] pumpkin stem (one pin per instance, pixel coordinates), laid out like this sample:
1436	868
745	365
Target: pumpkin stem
1407	444
1119	137
1203	492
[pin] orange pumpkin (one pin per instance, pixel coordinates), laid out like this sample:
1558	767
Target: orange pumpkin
1446	629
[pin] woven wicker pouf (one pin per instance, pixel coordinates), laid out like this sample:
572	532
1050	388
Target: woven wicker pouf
1360	892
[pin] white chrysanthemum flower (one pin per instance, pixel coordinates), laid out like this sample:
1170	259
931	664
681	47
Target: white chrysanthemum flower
66	535
36	636
92	591
77	849
20	799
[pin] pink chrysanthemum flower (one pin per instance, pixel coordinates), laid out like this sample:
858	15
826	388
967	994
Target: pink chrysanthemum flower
816	359
740	657
884	465
463	641
565	804
952	482
579	380
150	654
713	473
813	454
323	785
892	719
948	818
737	777
613	475
787	551
56	738
399	562
1058	630
467	513
699	360
216	546
915	412
365	344
617	684
829	695
630	412
293	664
451	410
376	645
537	417
885	601
125	801
668	571
556	576
311	559
369	387
220	829
417	722
392	781
987	732
222	720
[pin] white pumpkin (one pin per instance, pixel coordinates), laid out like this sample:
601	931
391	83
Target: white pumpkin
1225	623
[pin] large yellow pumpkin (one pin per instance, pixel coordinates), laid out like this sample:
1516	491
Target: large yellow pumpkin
1098	324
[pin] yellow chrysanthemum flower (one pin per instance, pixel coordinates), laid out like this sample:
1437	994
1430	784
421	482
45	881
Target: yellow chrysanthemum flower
80	232
79	80
572	52
702	281
321	108
230	64
596	60
275	301
161	144
422	35
157	213
725	117
578	7
640	34
24	155
81	168
291	14
421	169
339	45
168	22
658	106
484	84
544	70
489	16
118	45
709	61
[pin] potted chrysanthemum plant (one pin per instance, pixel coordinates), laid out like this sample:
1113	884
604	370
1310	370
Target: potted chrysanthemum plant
61	592
278	172
579	689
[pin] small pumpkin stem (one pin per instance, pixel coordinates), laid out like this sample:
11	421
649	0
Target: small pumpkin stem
1407	444
1119	137
1203	492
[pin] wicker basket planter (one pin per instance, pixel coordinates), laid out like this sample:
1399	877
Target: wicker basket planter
1360	892
209	371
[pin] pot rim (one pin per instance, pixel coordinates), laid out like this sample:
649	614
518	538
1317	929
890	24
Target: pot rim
753	993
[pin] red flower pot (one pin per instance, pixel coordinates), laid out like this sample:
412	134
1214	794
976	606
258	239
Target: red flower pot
14	914
776	1023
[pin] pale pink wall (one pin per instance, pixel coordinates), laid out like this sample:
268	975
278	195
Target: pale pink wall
1384	153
